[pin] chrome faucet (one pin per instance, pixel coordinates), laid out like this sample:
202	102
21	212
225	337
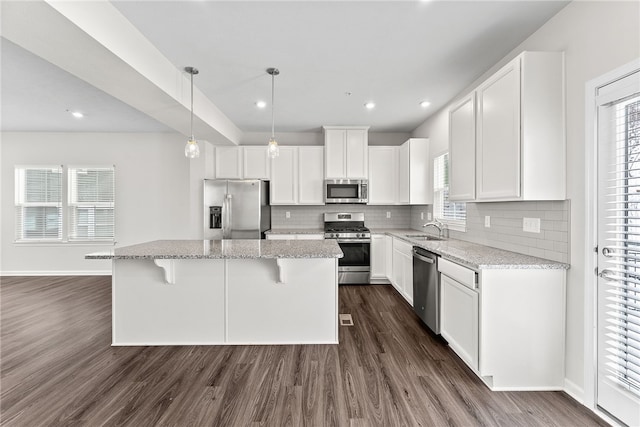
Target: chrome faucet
437	224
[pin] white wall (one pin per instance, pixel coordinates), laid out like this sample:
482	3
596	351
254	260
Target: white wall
596	37
153	198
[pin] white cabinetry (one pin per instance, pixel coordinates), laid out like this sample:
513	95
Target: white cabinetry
228	163
383	175
295	236
297	176
459	310
379	254
462	150
415	173
520	142
508	326
242	162
346	155
402	269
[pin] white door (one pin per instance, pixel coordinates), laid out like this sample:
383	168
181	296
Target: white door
256	162
228	162
311	175
383	174
618	311
462	150
284	171
335	152
357	154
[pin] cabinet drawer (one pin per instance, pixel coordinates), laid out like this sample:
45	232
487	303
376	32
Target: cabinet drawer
457	272
402	246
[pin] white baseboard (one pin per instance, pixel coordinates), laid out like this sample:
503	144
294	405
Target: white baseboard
573	390
57	273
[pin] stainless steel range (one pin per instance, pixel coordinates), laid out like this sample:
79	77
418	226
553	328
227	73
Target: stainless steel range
355	241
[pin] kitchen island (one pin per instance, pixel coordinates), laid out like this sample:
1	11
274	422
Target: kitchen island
207	292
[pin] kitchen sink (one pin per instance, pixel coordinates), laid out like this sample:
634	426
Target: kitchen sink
422	237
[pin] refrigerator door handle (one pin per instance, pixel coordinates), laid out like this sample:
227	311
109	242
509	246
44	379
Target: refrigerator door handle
229	198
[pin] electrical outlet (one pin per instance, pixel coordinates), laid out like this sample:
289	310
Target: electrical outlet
421	215
531	225
487	221
287	215
388	215
429	216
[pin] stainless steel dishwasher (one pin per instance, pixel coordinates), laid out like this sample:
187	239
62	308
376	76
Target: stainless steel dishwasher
426	288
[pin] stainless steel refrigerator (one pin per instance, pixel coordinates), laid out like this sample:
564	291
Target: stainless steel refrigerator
236	209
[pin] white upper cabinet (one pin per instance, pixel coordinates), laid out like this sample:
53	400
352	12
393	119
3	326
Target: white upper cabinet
346	154
251	162
228	163
297	176
462	150
415	173
284	173
383	175
520	142
403	174
311	175
256	162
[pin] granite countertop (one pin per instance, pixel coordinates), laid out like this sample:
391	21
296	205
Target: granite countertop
473	255
296	231
224	249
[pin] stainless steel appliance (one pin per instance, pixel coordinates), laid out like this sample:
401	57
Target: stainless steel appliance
355	241
426	288
346	191
236	209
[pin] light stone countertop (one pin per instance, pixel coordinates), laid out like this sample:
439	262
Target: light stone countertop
473	255
224	249
296	231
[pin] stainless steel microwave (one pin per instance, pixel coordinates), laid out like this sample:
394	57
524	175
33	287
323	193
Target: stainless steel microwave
346	191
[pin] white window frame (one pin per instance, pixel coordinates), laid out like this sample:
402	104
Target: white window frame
440	196
65	234
21	203
73	204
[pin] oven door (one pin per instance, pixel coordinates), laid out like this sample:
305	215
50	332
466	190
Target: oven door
355	265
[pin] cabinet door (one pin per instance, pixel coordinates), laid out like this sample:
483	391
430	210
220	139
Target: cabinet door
357	154
228	162
403	174
498	135
459	319
397	270
256	163
311	175
378	252
383	175
420	172
335	161
284	175
388	257
407	275
462	150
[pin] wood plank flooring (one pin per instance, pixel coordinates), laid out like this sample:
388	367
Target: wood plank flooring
58	369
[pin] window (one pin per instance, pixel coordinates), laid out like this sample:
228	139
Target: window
453	214
91	203
40	204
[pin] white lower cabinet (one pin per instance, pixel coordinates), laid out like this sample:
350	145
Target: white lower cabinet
402	269
459	314
296	236
508	327
379	258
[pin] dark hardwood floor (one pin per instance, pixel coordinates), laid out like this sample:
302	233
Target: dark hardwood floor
58	369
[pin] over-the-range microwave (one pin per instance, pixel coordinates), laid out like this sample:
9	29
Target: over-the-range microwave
346	191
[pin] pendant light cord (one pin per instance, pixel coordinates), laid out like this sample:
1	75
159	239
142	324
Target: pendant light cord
191	105
272	106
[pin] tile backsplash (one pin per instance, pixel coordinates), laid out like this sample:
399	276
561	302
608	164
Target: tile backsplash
505	231
311	216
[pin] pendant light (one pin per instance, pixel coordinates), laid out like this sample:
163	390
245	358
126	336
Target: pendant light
273	149
191	150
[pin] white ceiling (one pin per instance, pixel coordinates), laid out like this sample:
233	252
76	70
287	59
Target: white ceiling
395	53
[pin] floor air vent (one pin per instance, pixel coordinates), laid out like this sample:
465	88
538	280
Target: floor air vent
345	320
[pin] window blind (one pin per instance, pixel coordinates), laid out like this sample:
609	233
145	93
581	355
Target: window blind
622	270
91	203
38	203
443	209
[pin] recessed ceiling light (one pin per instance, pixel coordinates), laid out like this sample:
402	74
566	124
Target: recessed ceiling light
369	105
261	104
425	104
77	114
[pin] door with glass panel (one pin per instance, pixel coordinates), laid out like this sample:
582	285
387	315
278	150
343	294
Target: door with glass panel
618	309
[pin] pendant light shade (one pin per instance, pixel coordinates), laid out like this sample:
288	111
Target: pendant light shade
191	150
272	148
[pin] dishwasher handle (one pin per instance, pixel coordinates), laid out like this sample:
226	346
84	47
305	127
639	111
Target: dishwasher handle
422	258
